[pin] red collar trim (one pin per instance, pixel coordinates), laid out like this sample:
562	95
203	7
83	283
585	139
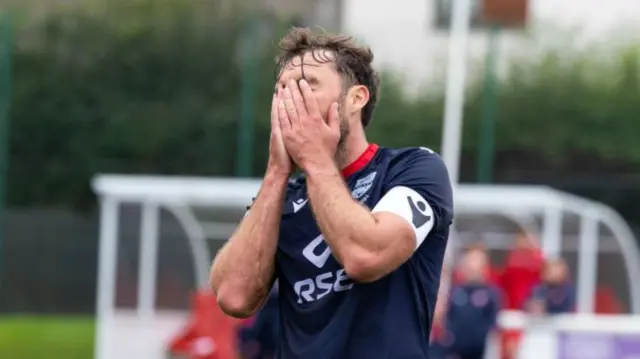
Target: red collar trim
361	162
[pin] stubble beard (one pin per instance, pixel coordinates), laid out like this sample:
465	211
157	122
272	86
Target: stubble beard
345	130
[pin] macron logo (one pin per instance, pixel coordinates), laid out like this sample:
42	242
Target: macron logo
297	205
309	252
418	209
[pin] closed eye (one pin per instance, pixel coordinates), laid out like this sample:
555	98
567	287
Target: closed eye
313	82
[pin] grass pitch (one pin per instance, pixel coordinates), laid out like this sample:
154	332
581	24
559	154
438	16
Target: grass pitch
32	337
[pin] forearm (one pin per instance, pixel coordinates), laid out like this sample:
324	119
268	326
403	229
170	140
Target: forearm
347	225
243	271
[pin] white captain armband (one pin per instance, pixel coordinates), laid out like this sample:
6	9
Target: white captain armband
410	205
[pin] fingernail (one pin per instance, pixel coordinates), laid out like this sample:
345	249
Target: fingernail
303	82
287	92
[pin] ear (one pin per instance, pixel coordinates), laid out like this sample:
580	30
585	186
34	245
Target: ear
357	98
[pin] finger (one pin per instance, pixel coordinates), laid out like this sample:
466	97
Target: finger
275	113
309	98
289	106
274	109
283	116
298	101
333	118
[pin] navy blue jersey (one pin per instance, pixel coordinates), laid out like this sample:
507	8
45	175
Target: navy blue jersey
472	314
263	331
557	298
325	315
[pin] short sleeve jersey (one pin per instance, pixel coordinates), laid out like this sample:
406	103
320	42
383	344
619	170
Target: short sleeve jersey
324	314
557	298
472	314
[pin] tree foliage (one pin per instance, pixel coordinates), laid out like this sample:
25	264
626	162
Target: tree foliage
151	86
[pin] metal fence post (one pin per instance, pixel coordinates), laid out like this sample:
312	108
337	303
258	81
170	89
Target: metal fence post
244	156
6	46
486	150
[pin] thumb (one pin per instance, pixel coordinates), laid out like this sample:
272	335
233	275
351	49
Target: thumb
333	119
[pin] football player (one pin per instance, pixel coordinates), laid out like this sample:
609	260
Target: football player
357	241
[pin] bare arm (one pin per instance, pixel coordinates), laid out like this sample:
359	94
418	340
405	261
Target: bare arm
369	245
372	243
243	271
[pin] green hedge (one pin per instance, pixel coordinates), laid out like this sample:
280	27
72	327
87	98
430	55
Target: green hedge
151	86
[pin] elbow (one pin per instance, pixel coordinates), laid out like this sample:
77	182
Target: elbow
235	308
231	300
362	266
234	303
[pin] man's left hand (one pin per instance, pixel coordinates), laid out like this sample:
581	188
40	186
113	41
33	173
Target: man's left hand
310	140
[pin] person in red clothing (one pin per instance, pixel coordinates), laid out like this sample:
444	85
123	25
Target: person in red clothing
521	274
522	271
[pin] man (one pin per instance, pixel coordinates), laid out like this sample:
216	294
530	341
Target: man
472	308
356	242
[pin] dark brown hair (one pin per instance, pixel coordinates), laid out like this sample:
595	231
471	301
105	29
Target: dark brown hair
352	62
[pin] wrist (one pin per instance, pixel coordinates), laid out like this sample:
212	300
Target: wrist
276	177
320	169
276	170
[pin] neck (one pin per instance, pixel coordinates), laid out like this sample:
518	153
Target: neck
352	147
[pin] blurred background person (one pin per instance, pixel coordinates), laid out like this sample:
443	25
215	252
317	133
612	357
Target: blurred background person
522	270
521	274
556	294
493	274
472	309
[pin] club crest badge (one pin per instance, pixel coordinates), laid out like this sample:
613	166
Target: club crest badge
363	185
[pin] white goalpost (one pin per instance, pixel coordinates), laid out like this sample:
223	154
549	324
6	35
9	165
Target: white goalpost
144	331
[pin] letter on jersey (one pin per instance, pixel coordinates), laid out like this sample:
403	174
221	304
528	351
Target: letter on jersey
410	205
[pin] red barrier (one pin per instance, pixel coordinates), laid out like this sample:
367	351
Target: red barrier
209	333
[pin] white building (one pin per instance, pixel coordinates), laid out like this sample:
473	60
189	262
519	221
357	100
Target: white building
405	37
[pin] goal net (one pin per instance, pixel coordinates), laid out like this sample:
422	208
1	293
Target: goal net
159	234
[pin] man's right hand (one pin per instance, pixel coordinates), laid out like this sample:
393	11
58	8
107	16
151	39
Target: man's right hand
280	162
243	272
